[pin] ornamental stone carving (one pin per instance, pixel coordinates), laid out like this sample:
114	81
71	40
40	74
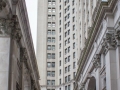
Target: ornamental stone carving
117	35
109	42
96	61
6	26
2	4
23	54
17	32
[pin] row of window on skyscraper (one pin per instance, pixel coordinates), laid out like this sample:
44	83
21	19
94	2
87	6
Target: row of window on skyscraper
51	24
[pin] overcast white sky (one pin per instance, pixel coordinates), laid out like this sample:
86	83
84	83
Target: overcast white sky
32	14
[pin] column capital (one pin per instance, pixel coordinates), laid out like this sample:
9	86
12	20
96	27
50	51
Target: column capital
96	61
117	35
2	4
109	41
6	26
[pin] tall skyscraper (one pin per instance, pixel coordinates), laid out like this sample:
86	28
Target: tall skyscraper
56	43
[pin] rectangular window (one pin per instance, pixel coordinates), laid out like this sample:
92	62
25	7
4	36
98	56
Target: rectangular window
53	82
60	37
53	32
53	40
60	7
53	55
60	22
65	3
74	36
53	9
68	58
68	87
49	39
74	55
60	30
68	7
68	49
49	56
49	16
48	82
53	47
74	45
48	64
73	2
59	54
73	19
65	87
74	74
68	32
53	64
68	68
49	47
65	34
59	14
53	24
49	24
68	23
49	2
73	11
53	2
68	77
53	17
73	27
65	25
65	69
68	40
65	10
68	15
59	63
65	42
49	32
65	79
53	73
60	71
48	73
73	65
49	9
60	81
60	46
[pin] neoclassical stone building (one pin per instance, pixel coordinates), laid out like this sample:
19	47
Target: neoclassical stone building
99	63
18	65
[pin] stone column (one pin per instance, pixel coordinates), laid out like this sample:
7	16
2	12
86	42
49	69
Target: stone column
117	35
5	53
4	61
97	65
110	58
15	38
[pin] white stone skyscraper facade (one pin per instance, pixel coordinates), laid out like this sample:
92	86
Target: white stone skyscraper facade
56	44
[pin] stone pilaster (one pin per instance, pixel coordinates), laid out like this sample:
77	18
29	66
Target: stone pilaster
117	37
110	59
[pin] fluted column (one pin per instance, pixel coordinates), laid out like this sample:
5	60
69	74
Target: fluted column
110	59
117	36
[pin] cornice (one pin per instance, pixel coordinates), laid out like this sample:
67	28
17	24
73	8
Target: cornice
103	8
27	37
